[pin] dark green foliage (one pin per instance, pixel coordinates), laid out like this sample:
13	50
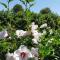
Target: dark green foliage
45	11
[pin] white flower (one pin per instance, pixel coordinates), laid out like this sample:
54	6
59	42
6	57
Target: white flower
44	32
49	41
51	31
40	34
33	26
6	34
52	39
35	41
20	33
9	37
23	53
43	25
36	37
34	51
35	33
9	56
3	34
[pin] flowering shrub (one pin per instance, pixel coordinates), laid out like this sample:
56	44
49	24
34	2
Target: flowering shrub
25	35
45	43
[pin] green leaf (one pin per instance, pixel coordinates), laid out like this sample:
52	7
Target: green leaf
31	5
3	4
22	1
28	1
10	0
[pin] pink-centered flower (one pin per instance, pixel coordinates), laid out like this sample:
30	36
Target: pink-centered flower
23	53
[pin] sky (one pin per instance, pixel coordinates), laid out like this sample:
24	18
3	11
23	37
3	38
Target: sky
54	5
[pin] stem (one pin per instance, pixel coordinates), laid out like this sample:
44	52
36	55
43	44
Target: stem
9	23
8	6
26	10
29	6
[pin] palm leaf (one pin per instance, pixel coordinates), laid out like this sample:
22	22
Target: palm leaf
3	4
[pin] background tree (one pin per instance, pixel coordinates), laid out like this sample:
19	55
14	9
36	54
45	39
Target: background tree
48	17
45	11
17	8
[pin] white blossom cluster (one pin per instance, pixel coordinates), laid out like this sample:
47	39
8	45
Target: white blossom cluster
35	33
23	53
20	33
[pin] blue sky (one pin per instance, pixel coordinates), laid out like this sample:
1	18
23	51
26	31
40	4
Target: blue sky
54	5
